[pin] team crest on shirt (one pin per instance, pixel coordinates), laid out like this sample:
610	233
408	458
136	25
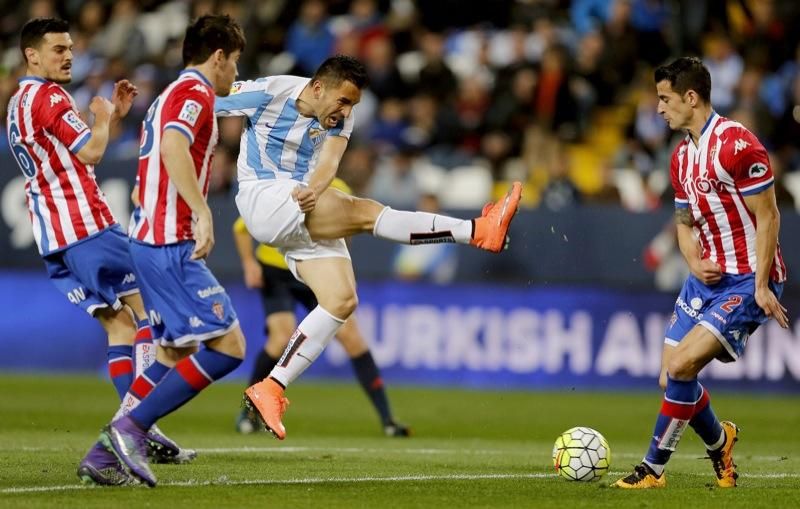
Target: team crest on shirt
55	98
757	170
190	112
316	135
218	309
74	121
236	87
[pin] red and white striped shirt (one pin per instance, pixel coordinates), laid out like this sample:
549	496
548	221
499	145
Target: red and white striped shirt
45	133
711	179
187	105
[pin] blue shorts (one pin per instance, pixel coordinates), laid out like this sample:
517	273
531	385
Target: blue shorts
184	301
728	309
94	273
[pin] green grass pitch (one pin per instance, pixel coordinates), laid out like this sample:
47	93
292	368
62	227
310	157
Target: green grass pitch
469	449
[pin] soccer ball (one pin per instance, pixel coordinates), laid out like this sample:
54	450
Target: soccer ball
581	454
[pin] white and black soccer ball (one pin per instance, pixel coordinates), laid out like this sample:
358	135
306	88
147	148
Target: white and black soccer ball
581	454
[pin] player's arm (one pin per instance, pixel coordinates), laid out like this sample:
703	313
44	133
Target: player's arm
765	209
244	246
135	195
327	165
122	98
177	159
245	99
703	269
92	151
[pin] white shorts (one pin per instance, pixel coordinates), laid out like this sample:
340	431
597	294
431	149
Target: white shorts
274	218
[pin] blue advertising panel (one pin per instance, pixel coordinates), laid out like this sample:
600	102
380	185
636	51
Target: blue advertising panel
486	336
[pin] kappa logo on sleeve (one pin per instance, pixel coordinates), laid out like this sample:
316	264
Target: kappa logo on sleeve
200	88
190	112
757	170
739	145
55	98
74	121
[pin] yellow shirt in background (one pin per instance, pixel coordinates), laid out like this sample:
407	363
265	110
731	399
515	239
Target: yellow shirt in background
269	255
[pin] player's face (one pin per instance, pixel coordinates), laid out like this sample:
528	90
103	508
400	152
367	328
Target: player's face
226	74
672	106
336	103
53	58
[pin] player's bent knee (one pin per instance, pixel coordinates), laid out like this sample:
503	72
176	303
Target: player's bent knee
681	368
342	307
364	213
231	344
118	324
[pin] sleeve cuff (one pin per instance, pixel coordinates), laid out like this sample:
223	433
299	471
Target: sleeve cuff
80	141
182	128
757	188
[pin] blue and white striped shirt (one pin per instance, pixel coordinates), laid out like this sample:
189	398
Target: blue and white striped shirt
277	142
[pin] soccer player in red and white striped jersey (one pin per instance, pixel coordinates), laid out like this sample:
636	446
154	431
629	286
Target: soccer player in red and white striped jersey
84	249
727	222
186	107
171	234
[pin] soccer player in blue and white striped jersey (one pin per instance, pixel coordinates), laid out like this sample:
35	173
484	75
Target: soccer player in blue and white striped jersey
296	132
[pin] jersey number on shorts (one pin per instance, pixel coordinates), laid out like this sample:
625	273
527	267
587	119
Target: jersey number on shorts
731	304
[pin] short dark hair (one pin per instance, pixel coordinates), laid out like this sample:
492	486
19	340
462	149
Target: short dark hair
34	31
684	74
340	68
207	34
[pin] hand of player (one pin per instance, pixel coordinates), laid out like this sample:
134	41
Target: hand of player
203	236
102	108
122	97
253	274
305	197
707	272
767	301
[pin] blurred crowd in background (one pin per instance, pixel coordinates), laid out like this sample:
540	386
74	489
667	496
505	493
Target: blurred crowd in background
466	95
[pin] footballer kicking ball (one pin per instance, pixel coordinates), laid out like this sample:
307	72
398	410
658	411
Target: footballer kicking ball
581	454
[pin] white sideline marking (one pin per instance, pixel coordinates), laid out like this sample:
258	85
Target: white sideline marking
379	450
388	450
224	481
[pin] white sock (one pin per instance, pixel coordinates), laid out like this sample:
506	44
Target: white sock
308	341
421	227
129	402
658	469
145	355
719	443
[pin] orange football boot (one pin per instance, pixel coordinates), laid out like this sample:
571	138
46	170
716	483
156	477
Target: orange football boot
722	458
267	401
491	228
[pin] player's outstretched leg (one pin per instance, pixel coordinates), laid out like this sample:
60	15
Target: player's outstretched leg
722	458
489	231
100	467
